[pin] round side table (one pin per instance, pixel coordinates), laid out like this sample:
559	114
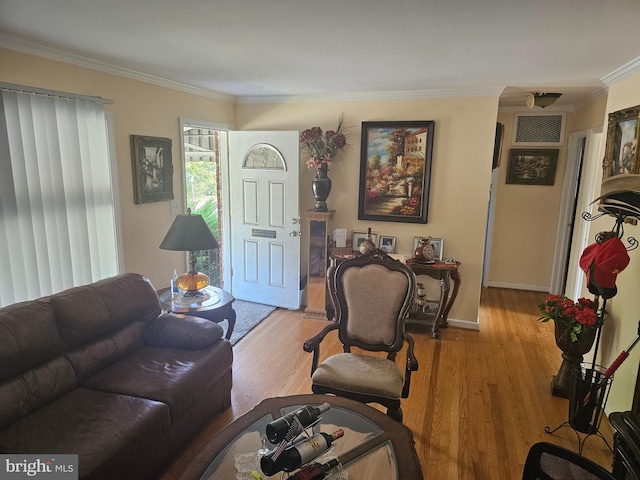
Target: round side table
217	308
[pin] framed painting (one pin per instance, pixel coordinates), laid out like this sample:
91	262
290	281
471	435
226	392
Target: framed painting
532	167
359	237
152	169
387	244
395	171
622	153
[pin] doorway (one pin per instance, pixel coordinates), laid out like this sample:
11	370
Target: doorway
581	179
204	152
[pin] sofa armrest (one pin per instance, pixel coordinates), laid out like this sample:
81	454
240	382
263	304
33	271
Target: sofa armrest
181	331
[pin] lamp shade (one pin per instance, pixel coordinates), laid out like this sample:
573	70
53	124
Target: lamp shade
188	233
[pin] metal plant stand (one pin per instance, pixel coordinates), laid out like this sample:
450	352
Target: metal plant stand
588	397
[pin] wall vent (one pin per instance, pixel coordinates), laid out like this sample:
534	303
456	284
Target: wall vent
539	129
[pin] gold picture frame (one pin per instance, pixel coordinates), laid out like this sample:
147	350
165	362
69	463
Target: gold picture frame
622	154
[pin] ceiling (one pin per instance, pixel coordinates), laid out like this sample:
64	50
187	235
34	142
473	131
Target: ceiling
348	49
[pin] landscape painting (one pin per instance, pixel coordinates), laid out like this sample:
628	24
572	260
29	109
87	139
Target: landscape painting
395	170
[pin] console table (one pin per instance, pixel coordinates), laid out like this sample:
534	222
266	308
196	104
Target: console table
444	273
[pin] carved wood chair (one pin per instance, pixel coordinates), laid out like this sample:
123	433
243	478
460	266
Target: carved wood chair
372	295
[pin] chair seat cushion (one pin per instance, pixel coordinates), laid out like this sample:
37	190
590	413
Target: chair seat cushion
363	374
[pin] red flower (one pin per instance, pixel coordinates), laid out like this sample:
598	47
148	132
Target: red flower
575	317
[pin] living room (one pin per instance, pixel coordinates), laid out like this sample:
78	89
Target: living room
526	220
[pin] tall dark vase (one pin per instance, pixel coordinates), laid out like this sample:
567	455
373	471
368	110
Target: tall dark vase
572	356
321	187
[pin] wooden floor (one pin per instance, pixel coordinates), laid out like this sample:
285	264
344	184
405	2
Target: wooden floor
478	401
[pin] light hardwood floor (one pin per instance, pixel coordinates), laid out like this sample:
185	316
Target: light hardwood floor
478	402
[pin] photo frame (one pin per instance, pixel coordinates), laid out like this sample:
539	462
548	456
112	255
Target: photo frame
388	244
359	237
395	171
622	154
532	166
438	245
152	169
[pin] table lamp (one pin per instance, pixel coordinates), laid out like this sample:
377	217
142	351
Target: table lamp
190	233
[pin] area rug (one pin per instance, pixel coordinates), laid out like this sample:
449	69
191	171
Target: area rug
248	315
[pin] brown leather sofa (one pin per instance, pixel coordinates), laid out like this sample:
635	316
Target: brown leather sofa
99	371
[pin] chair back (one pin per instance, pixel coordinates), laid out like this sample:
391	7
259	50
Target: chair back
372	295
547	461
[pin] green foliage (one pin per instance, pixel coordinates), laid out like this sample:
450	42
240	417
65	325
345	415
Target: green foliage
202	199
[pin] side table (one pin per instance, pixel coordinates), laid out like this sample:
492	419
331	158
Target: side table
444	273
216	309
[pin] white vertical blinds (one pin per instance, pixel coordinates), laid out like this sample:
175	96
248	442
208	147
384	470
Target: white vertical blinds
57	215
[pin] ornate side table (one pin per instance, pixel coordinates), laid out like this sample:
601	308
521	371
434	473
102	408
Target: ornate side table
444	273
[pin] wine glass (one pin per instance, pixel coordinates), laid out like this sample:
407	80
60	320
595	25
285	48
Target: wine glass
263	450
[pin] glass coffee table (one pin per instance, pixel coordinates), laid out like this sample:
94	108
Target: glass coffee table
373	446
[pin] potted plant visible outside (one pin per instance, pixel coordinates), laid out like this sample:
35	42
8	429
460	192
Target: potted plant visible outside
575	327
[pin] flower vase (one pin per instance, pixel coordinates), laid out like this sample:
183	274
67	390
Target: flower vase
321	187
572	356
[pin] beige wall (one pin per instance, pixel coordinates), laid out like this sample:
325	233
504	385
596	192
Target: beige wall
524	228
461	174
526	216
138	109
624	309
463	146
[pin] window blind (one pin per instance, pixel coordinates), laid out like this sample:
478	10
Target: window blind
57	214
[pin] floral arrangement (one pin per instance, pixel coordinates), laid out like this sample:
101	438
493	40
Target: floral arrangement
322	149
575	316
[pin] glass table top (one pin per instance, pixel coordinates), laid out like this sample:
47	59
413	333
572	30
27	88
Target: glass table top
377	462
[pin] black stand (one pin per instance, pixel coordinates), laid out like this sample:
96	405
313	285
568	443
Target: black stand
589	392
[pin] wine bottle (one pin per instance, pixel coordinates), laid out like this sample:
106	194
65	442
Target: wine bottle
299	453
367	244
315	471
297	421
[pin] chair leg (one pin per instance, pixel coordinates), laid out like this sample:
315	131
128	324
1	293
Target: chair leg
395	414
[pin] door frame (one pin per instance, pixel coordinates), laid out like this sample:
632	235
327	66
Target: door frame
225	223
584	193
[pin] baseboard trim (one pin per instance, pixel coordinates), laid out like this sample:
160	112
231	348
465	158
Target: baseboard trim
516	286
466	324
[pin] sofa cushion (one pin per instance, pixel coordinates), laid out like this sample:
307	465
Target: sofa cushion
89	312
33	369
28	337
182	331
95	425
173	376
95	355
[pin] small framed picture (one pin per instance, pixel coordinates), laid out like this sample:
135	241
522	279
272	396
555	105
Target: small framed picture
532	167
622	154
431	307
152	169
388	244
359	237
437	243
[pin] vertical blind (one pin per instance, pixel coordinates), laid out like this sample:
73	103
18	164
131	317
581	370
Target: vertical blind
57	214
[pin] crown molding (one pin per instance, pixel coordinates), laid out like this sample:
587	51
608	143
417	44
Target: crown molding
373	96
17	43
623	72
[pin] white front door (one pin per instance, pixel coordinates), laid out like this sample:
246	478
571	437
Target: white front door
265	218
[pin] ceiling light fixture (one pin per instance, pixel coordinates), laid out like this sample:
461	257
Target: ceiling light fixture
542	100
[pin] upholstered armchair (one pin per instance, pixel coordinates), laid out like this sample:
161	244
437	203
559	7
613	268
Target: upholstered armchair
372	295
